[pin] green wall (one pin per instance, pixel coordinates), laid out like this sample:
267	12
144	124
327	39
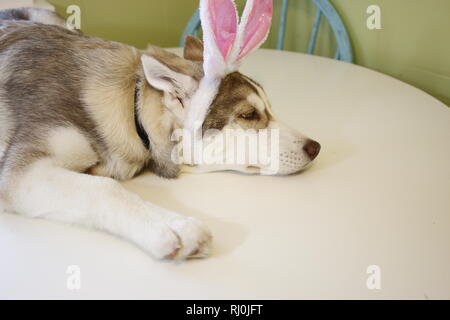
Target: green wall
413	44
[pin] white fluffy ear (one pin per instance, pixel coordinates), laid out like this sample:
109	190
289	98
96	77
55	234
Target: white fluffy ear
219	24
165	79
255	26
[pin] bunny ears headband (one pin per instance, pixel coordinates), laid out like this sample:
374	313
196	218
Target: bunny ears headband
225	45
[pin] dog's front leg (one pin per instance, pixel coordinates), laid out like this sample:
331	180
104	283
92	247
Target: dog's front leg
48	191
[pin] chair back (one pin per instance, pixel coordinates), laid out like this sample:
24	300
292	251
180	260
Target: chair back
324	9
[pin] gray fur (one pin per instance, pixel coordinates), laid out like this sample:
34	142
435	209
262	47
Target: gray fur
14	14
44	69
48	74
43	88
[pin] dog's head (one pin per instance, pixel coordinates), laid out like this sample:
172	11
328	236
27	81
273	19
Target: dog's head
227	118
240	112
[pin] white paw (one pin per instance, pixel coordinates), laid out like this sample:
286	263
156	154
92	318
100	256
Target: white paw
180	237
160	240
195	237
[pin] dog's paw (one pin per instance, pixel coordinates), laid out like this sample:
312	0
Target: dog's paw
195	237
178	237
161	241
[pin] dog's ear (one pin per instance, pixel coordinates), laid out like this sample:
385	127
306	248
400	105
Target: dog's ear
165	79
193	49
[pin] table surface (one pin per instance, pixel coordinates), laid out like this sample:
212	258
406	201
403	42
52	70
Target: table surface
378	194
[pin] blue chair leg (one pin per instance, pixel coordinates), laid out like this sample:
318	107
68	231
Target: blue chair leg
342	38
191	27
314	31
282	27
337	54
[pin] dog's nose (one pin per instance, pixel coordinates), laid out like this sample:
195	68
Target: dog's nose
311	148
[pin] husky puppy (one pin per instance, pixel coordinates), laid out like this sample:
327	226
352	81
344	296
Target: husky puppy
78	113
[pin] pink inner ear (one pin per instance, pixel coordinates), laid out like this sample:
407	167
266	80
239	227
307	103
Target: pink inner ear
223	19
257	27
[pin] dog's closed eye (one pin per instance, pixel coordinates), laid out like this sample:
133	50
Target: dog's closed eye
181	102
251	115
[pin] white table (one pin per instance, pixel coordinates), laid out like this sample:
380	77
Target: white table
378	194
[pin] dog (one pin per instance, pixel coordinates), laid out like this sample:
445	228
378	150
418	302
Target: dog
78	114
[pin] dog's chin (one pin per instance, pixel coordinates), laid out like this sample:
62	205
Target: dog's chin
254	170
283	171
247	170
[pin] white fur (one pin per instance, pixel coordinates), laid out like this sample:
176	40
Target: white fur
215	68
287	158
256	102
200	102
46	190
50	188
45	16
291	158
70	149
163	78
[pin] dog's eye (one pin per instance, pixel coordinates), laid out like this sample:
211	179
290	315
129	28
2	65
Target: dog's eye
181	102
253	115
